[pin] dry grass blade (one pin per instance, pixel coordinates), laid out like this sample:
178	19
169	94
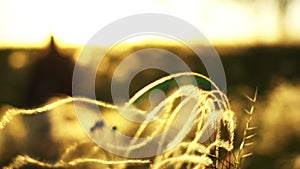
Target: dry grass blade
211	117
21	161
246	141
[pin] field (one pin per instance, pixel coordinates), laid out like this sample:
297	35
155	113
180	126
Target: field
55	138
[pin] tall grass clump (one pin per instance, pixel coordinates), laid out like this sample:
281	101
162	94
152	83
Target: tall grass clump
205	141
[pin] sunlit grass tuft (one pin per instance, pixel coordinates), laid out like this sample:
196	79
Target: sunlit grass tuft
209	111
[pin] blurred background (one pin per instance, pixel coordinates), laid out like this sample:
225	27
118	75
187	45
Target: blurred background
258	42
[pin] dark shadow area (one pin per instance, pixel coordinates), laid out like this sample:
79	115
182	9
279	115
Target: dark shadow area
51	75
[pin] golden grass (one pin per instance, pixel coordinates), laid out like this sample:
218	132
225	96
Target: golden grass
191	152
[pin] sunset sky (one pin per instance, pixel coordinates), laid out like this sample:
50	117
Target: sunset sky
29	23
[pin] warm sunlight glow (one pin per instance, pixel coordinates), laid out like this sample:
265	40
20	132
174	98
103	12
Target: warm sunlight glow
229	23
29	23
22	23
294	22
